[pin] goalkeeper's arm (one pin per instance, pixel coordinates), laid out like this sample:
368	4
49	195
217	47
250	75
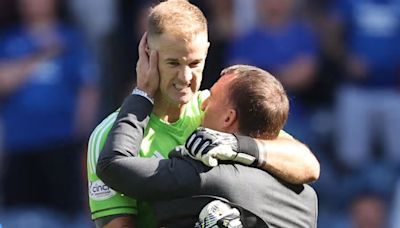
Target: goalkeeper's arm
284	157
289	159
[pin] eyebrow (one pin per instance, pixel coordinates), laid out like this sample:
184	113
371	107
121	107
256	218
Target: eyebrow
177	59
171	59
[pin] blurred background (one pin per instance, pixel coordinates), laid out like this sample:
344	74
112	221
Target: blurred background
65	65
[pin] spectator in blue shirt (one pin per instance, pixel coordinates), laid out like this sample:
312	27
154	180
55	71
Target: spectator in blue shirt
285	45
48	93
368	103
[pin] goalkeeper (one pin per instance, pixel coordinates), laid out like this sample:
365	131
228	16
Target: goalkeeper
246	100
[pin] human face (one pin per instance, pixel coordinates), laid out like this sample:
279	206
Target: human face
217	106
181	64
38	9
276	8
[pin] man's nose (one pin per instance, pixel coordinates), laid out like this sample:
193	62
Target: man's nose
186	74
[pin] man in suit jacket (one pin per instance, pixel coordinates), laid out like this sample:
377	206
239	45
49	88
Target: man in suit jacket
246	101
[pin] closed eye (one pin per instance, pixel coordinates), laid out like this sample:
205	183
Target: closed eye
173	63
195	64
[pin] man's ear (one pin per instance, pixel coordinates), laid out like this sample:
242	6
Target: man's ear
230	118
148	44
147	49
151	44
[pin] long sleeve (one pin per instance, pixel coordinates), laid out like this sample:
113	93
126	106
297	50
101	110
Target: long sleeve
128	130
142	178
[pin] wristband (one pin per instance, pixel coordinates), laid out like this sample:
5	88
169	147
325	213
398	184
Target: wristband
142	93
248	145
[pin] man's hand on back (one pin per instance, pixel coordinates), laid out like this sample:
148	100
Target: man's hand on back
208	145
207	159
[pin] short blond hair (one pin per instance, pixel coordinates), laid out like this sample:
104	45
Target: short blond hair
178	18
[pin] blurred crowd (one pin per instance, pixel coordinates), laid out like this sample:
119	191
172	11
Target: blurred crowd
65	65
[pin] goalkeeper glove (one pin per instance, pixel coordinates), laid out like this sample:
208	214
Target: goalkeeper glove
218	214
206	159
205	145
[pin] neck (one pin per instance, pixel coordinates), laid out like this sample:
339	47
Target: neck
233	128
167	111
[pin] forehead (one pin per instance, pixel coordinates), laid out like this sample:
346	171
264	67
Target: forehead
170	46
222	85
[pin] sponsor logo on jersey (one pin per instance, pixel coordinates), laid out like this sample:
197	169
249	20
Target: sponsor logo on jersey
100	191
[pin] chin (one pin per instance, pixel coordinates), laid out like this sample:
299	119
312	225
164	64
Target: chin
184	99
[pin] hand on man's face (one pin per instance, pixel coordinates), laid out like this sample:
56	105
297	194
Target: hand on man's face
148	77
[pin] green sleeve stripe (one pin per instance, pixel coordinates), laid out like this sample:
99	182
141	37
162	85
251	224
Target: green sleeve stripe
89	155
92	138
90	147
97	139
100	138
112	208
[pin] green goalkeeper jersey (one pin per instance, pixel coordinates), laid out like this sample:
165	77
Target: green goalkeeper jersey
160	138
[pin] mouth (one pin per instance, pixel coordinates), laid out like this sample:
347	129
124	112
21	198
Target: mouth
181	87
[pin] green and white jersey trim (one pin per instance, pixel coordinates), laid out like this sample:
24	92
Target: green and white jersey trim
97	140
